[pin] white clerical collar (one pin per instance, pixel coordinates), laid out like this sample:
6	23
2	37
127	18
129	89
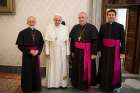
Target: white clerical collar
32	27
111	22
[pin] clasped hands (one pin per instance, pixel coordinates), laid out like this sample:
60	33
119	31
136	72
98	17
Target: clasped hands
33	52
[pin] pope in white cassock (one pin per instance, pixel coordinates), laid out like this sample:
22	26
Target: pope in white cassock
57	49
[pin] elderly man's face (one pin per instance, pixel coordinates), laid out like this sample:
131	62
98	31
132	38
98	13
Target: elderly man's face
31	21
82	18
57	20
111	16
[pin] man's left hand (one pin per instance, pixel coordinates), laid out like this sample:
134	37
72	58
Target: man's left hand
93	57
35	52
122	56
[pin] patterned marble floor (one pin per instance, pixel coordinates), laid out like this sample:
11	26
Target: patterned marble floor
9	83
125	88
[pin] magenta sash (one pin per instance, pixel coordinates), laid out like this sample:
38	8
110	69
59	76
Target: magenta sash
87	59
35	48
116	44
32	48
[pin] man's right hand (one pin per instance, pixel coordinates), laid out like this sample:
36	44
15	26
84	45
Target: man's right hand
47	55
33	52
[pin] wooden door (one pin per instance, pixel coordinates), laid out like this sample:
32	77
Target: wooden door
131	39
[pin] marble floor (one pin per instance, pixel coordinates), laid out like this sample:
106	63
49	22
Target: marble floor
94	90
129	86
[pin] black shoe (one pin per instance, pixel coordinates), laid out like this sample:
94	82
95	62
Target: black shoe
64	87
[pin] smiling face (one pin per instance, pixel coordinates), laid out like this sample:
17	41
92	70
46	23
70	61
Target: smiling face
57	20
31	21
83	18
111	16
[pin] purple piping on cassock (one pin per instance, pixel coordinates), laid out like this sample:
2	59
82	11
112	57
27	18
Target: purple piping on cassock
87	59
116	44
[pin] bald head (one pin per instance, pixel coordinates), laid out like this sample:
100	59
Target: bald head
83	18
31	21
57	20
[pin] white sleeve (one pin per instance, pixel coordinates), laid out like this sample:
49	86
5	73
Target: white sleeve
67	43
68	47
47	47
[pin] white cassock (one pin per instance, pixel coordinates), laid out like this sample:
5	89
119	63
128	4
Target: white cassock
57	47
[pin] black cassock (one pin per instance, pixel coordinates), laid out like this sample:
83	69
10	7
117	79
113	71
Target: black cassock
82	35
30	75
109	35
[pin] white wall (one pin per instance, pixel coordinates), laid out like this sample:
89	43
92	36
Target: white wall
96	20
96	13
10	25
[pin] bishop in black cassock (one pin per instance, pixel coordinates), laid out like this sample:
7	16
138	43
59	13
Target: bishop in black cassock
83	44
30	43
112	47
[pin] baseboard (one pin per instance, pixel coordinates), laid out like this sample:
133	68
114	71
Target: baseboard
17	70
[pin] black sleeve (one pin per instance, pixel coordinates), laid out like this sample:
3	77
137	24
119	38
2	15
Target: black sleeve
94	46
23	49
40	47
100	36
72	41
122	39
94	40
19	42
19	39
72	47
